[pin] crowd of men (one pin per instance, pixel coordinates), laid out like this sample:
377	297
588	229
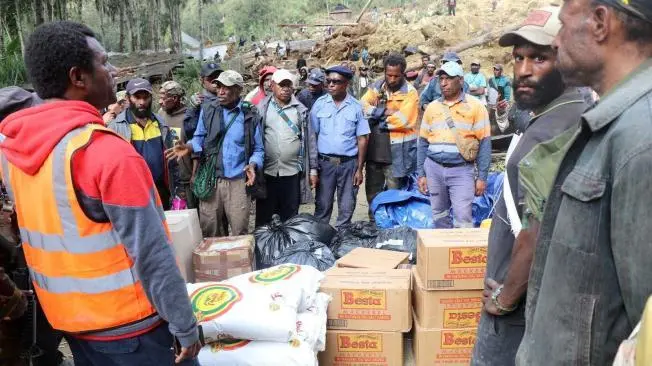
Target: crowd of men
568	268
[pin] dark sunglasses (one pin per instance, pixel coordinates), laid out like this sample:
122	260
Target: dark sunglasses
334	81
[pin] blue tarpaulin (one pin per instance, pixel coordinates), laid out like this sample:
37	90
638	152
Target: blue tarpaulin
393	208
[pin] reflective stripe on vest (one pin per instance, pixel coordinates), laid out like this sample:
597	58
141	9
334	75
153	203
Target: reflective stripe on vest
81	272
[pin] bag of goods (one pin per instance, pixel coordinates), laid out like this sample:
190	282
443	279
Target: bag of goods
367	235
310	253
297	284
226	310
311	324
257	353
273	238
218	259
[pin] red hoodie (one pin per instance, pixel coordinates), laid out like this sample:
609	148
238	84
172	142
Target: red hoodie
260	94
113	184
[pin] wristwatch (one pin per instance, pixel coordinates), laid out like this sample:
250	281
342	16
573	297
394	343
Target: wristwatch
494	299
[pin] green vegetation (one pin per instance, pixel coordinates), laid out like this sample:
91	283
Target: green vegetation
12	67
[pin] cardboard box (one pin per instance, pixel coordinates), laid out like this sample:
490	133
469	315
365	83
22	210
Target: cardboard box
218	259
450	347
452	259
445	309
369	299
373	258
186	235
355	348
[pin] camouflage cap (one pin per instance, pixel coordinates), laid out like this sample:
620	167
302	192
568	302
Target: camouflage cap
173	88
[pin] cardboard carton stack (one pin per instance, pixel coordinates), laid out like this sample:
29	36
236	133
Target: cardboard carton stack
448	281
370	311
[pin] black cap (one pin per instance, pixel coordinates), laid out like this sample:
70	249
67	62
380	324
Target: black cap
210	69
342	70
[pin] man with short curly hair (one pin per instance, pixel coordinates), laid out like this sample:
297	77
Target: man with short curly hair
90	219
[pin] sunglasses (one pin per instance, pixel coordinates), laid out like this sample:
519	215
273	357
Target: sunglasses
334	81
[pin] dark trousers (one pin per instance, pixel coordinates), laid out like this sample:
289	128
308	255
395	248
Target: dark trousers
451	10
498	339
283	198
336	177
154	348
379	176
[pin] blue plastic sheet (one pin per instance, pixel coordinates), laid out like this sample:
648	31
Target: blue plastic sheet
393	208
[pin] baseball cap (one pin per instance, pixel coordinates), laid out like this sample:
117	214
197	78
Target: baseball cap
451	56
540	28
138	84
282	74
121	95
267	70
342	70
173	88
431	64
475	62
498	67
210	69
316	77
230	78
451	69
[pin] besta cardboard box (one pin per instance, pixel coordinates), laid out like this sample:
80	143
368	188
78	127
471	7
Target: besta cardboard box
452	259
373	258
445	309
369	299
450	347
362	348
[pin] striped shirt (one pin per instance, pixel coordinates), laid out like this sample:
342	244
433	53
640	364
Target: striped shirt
437	141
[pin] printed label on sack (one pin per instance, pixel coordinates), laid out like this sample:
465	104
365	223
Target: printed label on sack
364	299
280	273
212	301
457	339
228	345
359	342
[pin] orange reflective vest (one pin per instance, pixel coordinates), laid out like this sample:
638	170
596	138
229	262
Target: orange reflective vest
84	279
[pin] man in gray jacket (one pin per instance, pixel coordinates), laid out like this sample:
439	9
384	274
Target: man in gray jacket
592	269
290	151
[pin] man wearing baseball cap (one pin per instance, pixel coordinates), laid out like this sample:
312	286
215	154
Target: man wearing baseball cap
315	89
591	274
228	148
455	138
433	90
290	151
264	87
149	135
555	110
501	83
202	100
477	82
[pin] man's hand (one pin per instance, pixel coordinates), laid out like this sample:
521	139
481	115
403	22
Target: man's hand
250	171
314	181
423	185
358	177
480	186
489	307
178	151
188	353
502	106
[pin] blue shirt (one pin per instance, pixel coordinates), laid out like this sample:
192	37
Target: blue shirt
233	152
475	80
338	127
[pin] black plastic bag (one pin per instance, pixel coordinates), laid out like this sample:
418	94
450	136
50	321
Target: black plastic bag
367	235
309	253
274	238
306	227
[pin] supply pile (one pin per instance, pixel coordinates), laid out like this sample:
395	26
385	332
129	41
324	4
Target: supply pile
272	313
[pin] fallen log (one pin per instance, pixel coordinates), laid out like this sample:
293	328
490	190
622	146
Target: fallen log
475	42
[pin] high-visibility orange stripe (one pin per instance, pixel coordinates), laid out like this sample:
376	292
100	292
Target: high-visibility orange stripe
57	264
35	192
76	312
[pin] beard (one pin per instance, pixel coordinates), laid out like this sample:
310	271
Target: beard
546	90
140	113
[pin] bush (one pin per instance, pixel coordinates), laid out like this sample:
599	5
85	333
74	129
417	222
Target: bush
12	66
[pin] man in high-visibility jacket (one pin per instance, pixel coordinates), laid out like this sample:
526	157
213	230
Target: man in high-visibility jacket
392	107
90	219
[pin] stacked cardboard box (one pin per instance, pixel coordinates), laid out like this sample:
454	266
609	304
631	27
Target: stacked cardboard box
370	310
447	290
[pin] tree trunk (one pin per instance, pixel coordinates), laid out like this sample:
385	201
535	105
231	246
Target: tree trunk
201	33
121	11
19	26
131	23
101	14
79	8
37	9
139	27
157	25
